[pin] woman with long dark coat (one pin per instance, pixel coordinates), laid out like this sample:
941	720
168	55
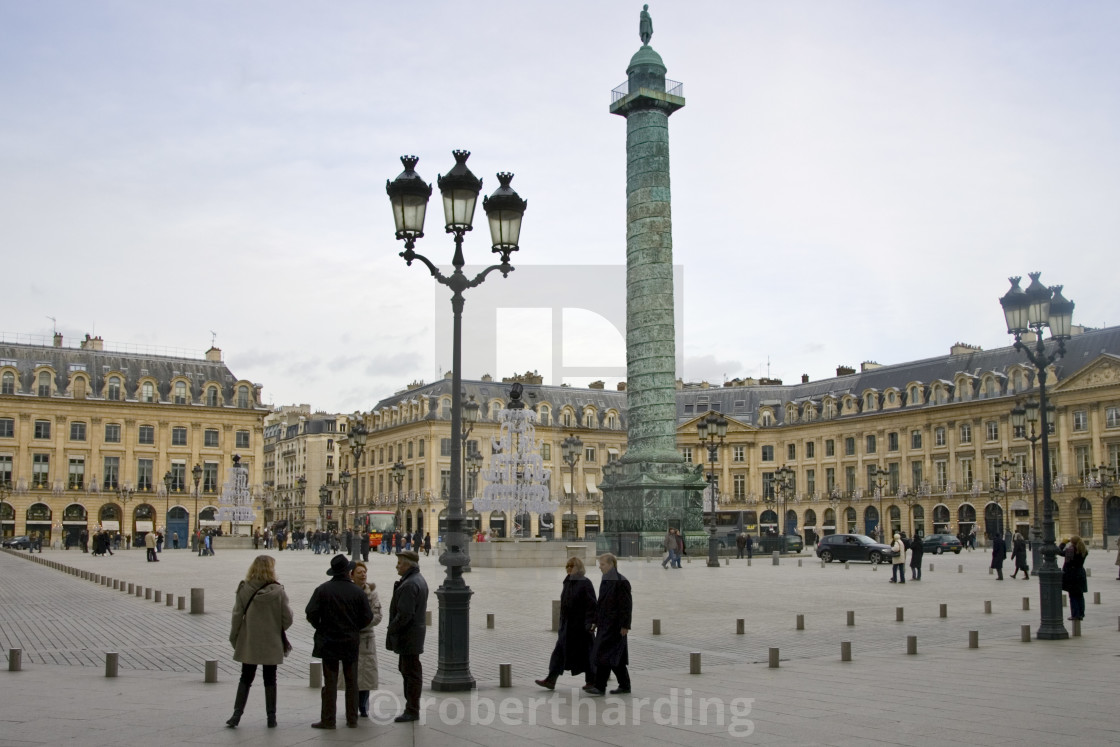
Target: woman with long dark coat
577	618
260	616
999	552
1074	581
1019	555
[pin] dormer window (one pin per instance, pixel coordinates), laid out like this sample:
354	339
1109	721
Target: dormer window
44	384
212	396
180	392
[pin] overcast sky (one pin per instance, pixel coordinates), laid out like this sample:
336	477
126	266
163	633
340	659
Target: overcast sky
851	180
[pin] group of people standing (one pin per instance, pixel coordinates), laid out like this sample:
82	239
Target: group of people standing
343	611
592	635
898	558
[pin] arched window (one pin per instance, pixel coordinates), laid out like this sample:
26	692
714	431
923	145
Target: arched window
9	383
915	397
115	388
180	392
44	384
212	396
544	413
589	419
243	396
148	392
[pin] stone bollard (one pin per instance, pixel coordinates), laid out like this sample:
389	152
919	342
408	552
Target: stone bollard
139	591
846	567
1026	603
1076	629
159	596
689	561
131	589
657	627
987	608
1065	601
898	614
740	626
727	561
198	601
15	659
505	675
931	566
801	622
210	671
428	618
489	620
694	663
1088	573
1025	633
116	584
170	600
911	645
1096	597
851	617
944	610
799	562
315	675
111	663
555	615
960	569
147	592
974	638
774	658
748	562
845	650
822	564
774	557
182	602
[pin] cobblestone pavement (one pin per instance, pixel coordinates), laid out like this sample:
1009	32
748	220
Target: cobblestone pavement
947	693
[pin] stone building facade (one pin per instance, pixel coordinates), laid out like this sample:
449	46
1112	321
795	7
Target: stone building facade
301	455
88	435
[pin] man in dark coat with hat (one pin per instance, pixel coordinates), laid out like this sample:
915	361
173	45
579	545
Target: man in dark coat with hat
405	634
609	652
338	611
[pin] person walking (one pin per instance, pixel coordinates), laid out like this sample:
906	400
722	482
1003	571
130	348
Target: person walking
750	547
150	546
1019	555
670	544
609	652
1074	581
338	610
428	544
898	560
999	552
1117	563
260	616
972	538
740	544
404	635
917	550
367	647
577	619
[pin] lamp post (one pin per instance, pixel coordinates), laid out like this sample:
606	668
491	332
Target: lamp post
712	430
125	495
409	197
343	480
398	471
785	483
5	491
196	473
357	439
168	480
1104	477
470	417
1004	466
572	448
910	497
882	482
1023	416
474	466
1025	312
324	499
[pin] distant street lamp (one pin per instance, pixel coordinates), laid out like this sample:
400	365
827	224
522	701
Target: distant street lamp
301	486
196	473
324	499
712	430
398	471
357	438
409	195
572	449
5	491
785	484
125	496
882	482
1027	312
474	466
168	481
1104	478
1004	466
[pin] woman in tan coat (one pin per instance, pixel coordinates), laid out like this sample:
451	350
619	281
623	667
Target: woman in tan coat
367	648
260	616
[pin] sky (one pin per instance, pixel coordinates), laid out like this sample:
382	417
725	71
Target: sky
852	181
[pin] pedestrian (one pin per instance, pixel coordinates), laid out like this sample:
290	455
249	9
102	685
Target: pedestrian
1019	555
367	646
740	544
1118	563
83	539
972	538
159	543
150	546
750	547
898	560
609	652
577	619
917	550
365	545
175	541
1074	581
260	616
404	635
999	552
338	610
428	544
670	545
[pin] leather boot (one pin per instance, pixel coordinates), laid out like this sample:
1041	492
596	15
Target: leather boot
239	704
270	705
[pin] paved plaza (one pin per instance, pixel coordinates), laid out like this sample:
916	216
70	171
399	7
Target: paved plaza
1005	692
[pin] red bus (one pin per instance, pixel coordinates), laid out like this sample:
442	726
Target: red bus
376	523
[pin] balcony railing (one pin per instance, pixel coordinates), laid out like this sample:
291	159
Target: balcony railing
672	87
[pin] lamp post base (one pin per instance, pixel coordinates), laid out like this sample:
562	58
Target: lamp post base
1051	627
713	549
453	672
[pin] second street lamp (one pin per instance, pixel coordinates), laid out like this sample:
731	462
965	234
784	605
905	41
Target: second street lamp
712	430
168	481
572	449
398	471
882	482
1103	478
785	484
409	197
196	473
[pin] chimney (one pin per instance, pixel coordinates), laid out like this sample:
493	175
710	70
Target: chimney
869	366
844	370
597	385
93	343
214	354
621	386
804	378
58	339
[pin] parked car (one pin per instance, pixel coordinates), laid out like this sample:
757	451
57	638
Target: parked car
22	542
843	547
941	543
768	543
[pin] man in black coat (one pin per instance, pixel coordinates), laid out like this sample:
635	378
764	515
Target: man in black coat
609	653
338	610
405	633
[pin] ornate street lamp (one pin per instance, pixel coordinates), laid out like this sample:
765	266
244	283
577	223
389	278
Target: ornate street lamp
196	473
1025	420
301	486
1025	312
357	438
409	197
882	482
1104	478
344	481
470	417
785	484
324	499
474	466
168	481
572	449
1004	466
398	471
712	430
5	491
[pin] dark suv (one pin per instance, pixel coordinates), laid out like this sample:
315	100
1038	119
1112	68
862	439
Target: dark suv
941	543
844	547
